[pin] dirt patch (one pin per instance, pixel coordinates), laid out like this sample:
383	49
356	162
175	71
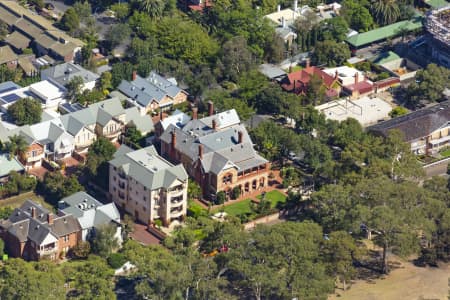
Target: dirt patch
405	282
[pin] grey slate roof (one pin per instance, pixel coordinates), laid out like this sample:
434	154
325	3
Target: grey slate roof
21	224
272	71
63	73
417	124
88	210
148	168
143	123
146	90
221	147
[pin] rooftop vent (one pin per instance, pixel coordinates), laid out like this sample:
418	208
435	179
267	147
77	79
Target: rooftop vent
85	200
155	169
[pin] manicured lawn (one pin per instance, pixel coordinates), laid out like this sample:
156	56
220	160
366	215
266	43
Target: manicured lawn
18	200
274	197
238	208
445	153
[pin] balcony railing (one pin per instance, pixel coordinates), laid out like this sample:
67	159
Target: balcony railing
47	251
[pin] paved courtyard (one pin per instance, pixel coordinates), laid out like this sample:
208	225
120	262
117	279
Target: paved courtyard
366	110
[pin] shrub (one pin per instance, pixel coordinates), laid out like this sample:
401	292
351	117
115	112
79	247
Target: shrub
236	192
116	260
220	197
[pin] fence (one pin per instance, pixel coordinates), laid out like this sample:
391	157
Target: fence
263	220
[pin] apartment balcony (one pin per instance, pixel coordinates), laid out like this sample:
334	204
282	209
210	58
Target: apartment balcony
35	158
176	203
112	134
122	185
47	251
176	213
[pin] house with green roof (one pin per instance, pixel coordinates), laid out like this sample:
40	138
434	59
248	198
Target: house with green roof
363	39
7	165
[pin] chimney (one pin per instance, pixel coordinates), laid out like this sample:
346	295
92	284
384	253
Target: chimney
308	63
210	108
50	219
336	75
278	8
174	139
33	212
134	75
356	77
240	137
161	115
194	113
200	151
283	22
295	5
214	124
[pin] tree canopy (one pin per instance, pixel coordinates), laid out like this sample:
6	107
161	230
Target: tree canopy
26	111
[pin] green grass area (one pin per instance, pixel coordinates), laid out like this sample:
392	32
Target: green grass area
238	208
274	197
18	200
445	153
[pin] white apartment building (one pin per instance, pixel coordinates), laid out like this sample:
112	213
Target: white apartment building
147	186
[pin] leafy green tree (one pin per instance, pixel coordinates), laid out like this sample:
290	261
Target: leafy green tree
398	111
82	249
5	212
315	91
105	82
120	71
70	21
16	146
90	279
386	11
333	29
194	190
31	280
133	136
154	8
330	53
121	10
186	40
340	251
306	30
429	85
83	10
118	33
55	186
289	252
236	58
357	15
74	87
9	75
104	241
26	111
100	152
88	97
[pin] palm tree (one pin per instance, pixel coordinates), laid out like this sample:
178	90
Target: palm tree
154	8
16	146
386	11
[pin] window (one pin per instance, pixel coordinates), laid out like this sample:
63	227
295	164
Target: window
66	238
114	188
34	153
114	178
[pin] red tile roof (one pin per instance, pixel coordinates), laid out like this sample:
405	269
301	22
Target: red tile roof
297	82
362	87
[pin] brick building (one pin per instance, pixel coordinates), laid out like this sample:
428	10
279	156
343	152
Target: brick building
217	152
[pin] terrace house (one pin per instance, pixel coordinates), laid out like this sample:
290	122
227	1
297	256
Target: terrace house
33	232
